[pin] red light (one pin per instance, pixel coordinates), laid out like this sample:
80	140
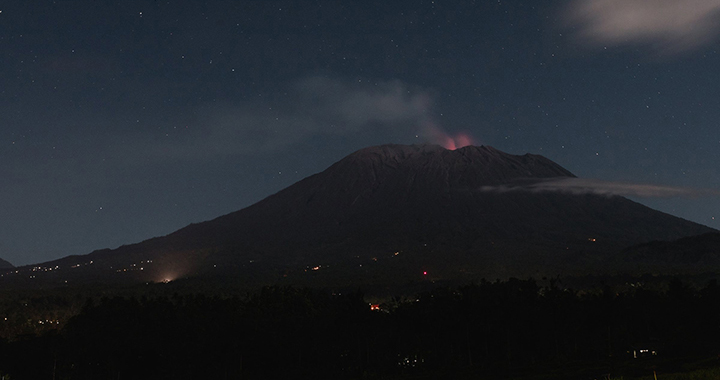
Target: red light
425	273
447	141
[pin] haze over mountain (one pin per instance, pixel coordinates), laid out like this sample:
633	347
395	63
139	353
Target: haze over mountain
393	213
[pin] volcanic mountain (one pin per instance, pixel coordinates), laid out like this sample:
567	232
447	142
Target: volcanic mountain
397	213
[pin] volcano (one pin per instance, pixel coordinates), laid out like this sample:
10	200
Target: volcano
399	213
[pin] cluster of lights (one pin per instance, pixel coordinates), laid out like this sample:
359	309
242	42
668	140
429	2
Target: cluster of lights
44	269
129	269
79	265
643	352
47	321
410	361
373	259
37	269
134	267
316	268
9	273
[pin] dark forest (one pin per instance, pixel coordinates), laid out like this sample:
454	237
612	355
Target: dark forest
505	329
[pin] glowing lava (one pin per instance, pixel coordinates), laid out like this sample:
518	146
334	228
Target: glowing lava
460	140
440	137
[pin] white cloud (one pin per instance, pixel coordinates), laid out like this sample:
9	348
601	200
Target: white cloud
669	25
594	186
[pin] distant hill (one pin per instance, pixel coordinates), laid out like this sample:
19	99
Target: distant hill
391	214
683	255
4	264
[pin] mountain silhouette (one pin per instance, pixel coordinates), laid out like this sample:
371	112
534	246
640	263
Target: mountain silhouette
675	257
395	213
4	264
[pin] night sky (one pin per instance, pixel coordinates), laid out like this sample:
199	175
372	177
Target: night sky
121	122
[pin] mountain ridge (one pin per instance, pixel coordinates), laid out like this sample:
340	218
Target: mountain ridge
5	264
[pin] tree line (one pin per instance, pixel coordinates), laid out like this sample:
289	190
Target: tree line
502	329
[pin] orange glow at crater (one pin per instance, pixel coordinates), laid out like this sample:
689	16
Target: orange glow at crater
462	140
447	141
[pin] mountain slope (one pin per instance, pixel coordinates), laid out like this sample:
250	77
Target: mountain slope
420	194
426	202
670	257
4	264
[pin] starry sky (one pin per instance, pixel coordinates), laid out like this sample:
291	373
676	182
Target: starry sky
124	121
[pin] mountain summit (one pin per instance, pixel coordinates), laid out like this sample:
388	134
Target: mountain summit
385	213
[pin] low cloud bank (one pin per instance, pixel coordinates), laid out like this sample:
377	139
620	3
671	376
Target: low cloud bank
594	186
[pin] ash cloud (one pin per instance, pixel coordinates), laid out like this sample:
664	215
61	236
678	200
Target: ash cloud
668	25
579	186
